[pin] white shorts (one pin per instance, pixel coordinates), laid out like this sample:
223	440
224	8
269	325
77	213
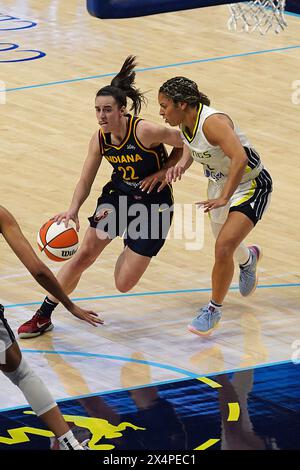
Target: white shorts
251	198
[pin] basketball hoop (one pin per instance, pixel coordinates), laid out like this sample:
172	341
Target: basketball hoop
257	15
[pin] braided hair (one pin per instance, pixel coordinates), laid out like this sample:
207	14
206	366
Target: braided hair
122	86
182	89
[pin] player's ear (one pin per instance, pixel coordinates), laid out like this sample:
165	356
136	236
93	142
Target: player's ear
123	110
183	105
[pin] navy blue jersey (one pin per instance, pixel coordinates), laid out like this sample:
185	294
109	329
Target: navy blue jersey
131	161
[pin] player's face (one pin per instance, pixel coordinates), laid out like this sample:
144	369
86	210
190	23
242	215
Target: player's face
171	112
108	113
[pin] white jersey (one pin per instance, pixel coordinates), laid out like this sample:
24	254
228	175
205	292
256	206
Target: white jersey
215	163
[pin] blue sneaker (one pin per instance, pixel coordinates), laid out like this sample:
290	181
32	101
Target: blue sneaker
248	275
206	321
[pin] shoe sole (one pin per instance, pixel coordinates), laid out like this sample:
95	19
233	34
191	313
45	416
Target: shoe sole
260	255
202	333
33	335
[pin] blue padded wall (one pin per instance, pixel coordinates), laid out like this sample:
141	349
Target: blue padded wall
132	8
293	6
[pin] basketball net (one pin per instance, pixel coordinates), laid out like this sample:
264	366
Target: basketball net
257	15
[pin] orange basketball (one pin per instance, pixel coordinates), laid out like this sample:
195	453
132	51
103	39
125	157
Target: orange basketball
57	241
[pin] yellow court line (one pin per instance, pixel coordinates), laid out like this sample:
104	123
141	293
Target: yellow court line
206	444
234	411
209	382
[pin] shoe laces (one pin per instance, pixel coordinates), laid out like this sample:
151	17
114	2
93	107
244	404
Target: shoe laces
246	269
205	312
84	444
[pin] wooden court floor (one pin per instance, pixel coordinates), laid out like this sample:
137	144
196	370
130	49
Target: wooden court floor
46	124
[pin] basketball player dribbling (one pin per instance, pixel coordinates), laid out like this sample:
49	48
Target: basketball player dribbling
134	147
12	364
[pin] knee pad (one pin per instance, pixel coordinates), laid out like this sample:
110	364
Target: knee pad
32	387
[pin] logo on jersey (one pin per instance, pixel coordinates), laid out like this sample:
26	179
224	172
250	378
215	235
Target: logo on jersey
102	214
199	155
216	176
123	158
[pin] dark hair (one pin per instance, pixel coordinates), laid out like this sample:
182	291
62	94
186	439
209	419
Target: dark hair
122	86
182	89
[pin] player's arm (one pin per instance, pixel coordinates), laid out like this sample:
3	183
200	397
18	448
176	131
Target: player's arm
152	135
83	187
42	274
176	172
218	130
88	173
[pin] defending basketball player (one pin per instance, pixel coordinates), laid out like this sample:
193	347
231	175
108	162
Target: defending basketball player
239	188
134	147
13	365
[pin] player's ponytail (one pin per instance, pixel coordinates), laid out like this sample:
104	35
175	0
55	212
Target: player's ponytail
122	86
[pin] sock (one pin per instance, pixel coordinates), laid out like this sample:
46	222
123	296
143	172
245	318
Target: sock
241	254
248	262
214	304
69	442
47	308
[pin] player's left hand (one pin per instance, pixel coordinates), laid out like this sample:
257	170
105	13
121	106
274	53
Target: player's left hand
149	183
210	204
86	315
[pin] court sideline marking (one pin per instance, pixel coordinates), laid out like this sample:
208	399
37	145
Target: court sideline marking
156	67
143	294
188	374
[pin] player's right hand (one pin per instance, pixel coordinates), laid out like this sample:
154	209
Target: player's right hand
174	173
66	217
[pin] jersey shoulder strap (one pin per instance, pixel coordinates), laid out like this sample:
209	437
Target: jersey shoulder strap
101	142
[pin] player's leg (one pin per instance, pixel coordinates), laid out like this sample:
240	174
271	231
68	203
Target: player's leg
233	232
89	250
246	208
241	254
260	192
18	371
247	258
155	218
129	268
68	276
218	217
94	242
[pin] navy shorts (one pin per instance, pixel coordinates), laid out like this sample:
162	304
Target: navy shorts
258	198
143	220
